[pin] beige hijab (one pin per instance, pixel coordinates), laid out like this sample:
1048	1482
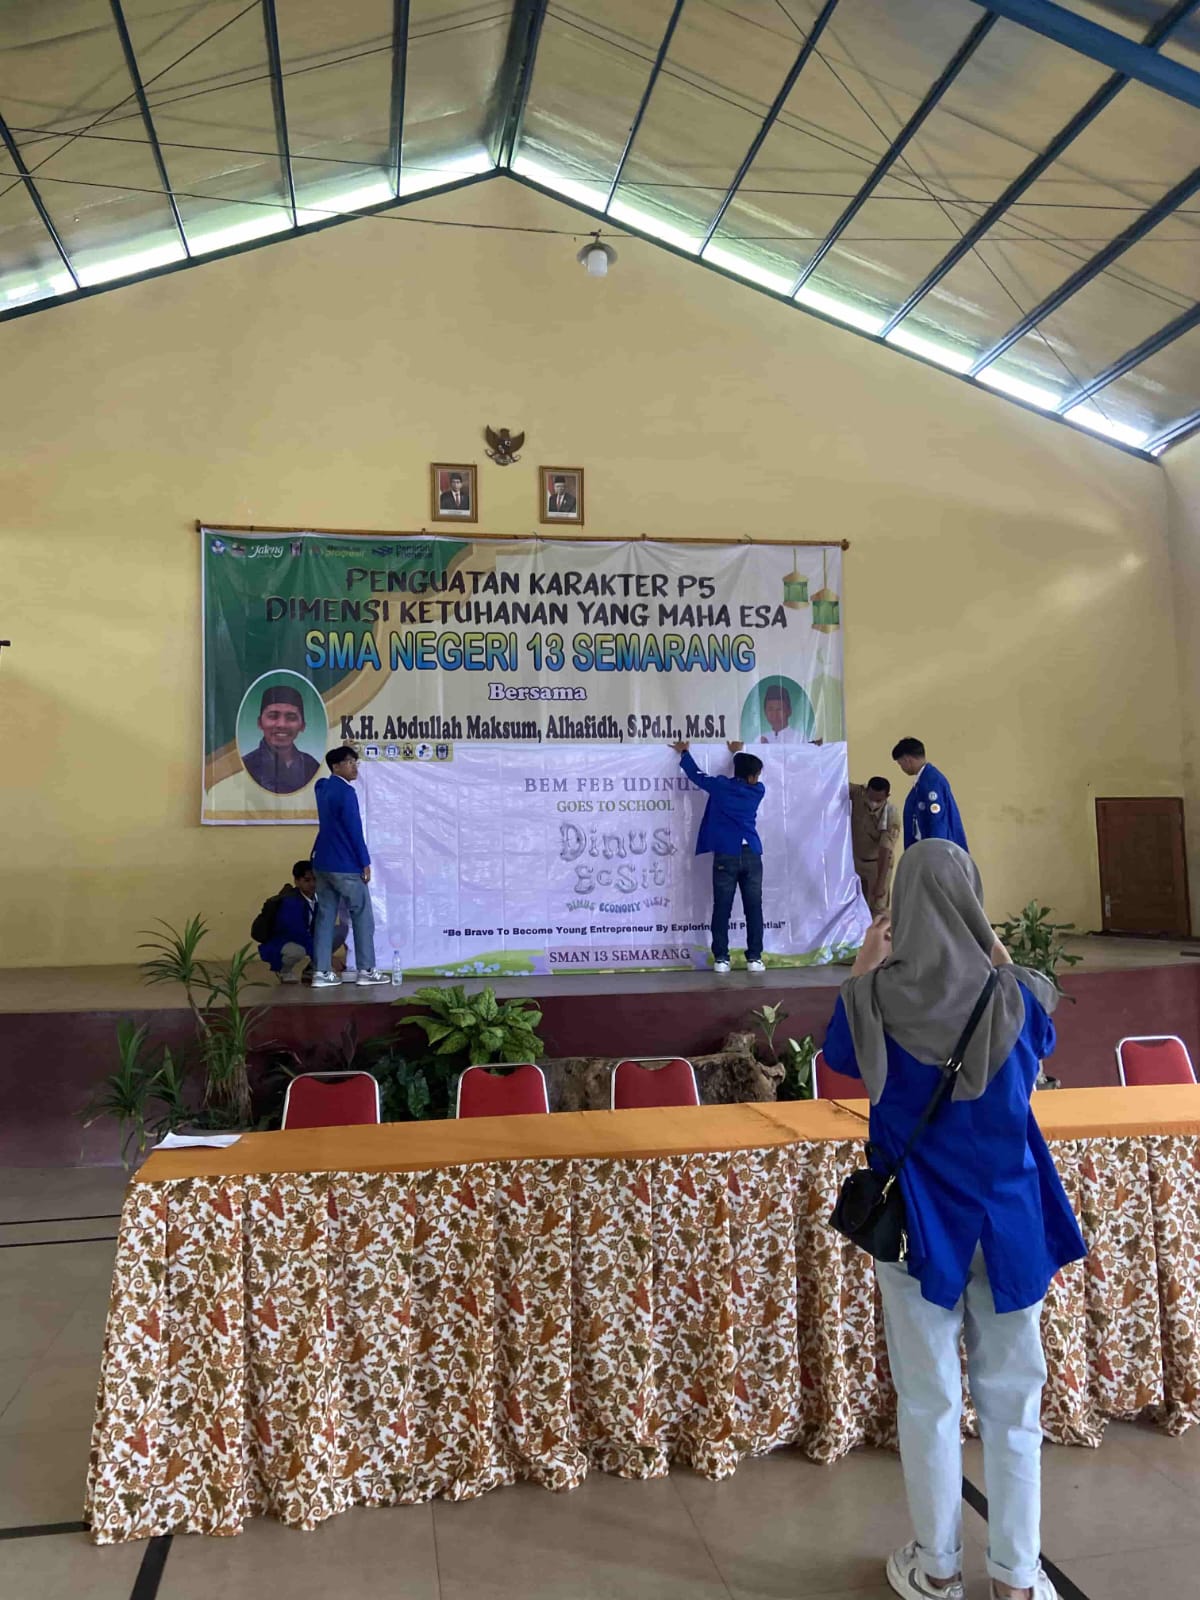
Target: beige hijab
925	991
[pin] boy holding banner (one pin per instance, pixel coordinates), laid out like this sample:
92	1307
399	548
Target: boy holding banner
728	830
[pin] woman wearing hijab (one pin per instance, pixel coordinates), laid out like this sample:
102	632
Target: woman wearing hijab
988	1223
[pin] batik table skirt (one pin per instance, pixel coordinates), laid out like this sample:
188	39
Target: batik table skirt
376	1316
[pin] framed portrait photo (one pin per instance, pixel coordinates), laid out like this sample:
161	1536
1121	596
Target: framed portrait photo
560	495
454	495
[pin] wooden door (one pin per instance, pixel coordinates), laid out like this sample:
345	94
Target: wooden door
1143	867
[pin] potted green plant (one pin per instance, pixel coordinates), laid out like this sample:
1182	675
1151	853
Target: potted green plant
799	1070
145	1096
479	1026
1033	941
461	1031
154	1091
768	1018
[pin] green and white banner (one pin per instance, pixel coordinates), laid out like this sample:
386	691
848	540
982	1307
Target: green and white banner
409	647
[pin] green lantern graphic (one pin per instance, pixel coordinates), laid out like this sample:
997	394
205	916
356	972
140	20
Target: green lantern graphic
795	588
826	609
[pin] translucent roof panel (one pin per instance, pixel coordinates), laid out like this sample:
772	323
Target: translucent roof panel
1184	44
1153	282
1159	393
689	121
1135	150
592	72
30	267
1009	100
455	55
61	71
869	72
337	71
207	81
723	69
1128	17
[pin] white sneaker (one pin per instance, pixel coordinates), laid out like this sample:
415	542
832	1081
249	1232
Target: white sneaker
374	975
325	980
756	966
906	1578
1043	1589
720	966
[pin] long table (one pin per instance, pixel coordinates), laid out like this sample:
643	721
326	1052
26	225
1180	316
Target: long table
313	1320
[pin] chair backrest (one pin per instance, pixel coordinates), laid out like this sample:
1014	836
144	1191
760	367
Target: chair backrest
331	1100
519	1092
654	1081
831	1085
1154	1058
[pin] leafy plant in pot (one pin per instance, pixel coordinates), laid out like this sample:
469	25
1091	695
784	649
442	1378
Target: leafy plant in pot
145	1096
479	1026
225	1025
794	1072
1033	941
768	1018
462	1031
153	1090
799	1070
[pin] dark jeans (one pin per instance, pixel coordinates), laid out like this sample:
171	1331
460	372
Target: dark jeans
731	873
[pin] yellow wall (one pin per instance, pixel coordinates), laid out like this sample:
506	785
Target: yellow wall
1183	480
1008	593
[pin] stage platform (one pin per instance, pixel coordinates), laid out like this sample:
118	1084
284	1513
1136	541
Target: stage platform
58	1025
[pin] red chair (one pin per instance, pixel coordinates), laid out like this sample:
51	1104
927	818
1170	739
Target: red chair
521	1091
637	1083
831	1085
331	1100
1144	1059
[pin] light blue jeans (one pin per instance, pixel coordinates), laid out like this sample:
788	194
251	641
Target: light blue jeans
1006	1370
332	889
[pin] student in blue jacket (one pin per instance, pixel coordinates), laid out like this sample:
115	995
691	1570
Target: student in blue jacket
343	867
728	830
988	1222
290	947
930	810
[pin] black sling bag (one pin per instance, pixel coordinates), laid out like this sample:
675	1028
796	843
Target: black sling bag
870	1206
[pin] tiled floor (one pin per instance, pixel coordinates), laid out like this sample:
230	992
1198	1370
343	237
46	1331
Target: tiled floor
1119	1522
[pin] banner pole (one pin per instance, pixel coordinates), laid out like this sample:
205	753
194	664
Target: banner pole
488	538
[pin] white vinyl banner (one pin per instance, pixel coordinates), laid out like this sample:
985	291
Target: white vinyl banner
576	858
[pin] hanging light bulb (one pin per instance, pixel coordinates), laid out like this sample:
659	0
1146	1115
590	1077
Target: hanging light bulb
595	257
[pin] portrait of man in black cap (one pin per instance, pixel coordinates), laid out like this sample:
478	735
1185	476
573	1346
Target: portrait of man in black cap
275	764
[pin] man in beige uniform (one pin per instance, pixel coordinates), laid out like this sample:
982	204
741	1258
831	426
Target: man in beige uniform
874	832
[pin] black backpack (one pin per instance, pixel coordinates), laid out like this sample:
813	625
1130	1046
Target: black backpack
263	925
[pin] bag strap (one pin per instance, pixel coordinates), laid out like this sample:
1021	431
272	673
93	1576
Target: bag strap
949	1073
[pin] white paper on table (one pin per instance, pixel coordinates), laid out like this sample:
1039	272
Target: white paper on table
182	1141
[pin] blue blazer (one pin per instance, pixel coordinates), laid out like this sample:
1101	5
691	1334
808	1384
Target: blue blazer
980	1174
729	815
931	812
293	925
340	846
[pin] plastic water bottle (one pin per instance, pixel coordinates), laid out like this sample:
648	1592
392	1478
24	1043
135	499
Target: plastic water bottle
397	969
